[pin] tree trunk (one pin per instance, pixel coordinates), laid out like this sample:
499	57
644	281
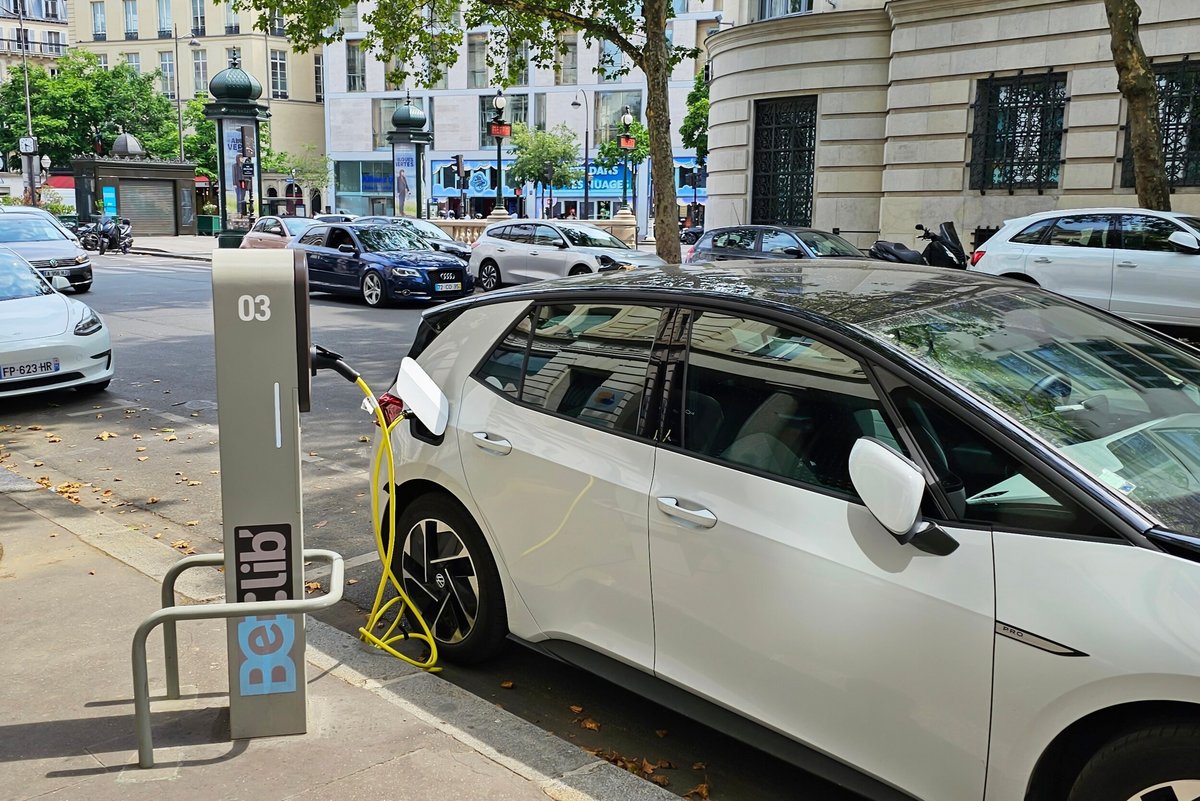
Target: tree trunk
656	65
1135	79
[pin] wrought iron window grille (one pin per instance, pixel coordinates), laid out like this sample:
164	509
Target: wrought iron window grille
785	143
1179	120
1017	138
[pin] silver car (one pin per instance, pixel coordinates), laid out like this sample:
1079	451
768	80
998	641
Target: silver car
47	247
520	251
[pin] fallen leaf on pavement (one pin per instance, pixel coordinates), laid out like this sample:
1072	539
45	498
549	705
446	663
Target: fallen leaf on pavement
648	767
506	685
589	724
322	524
143	458
38	464
193	483
181	544
105	436
53	438
699	792
576	708
170	438
192	523
351	581
136	436
660	780
312	586
107	493
158	536
31	428
91	572
152	499
364	439
139	449
698	766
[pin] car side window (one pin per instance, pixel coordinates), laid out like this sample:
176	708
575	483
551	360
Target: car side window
521	234
983	482
273	227
735	239
545	235
1143	232
764	397
777	242
502	369
588	361
500	233
259	226
339	237
315	236
1034	233
1083	231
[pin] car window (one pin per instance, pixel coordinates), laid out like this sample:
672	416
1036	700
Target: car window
545	235
19	280
983	482
1084	231
502	370
27	228
500	232
828	245
764	397
1143	232
777	242
735	239
1033	234
584	236
521	234
273	227
339	237
260	226
389	238
296	226
424	228
315	236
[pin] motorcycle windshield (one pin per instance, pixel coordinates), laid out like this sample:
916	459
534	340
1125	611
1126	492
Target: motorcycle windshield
950	236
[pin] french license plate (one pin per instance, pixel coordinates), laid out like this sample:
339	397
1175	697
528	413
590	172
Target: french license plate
26	369
455	287
52	273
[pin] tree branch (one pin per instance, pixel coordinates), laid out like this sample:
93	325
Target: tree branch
608	32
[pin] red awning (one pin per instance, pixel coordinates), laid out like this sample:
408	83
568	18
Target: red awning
201	180
61	182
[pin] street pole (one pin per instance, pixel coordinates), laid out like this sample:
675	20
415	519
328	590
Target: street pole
587	130
498	103
178	93
33	199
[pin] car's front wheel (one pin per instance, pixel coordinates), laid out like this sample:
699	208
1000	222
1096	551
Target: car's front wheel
447	569
489	276
1159	763
81	288
374	292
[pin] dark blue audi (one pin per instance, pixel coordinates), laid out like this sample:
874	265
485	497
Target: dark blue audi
380	264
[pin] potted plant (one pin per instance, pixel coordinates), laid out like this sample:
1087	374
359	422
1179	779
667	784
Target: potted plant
207	222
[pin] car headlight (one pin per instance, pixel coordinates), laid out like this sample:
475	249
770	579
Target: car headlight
404	271
81	258
90	324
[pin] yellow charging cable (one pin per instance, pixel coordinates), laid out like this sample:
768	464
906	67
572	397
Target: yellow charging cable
401	603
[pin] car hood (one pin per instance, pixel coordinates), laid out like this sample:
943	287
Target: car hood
34	318
419	259
635	257
38	251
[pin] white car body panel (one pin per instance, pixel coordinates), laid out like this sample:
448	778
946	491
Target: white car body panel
1157	287
885	652
42	328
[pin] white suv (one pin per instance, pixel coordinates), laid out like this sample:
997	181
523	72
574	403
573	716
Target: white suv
1140	264
938	533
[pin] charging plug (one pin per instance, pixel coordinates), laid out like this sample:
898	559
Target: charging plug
325	359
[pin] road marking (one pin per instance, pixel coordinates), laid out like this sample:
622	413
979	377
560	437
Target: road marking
335	466
352	562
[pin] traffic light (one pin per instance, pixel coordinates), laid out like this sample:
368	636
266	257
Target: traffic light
242	184
547	172
457	161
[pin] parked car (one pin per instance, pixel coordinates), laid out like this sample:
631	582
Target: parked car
47	247
934	531
437	238
40	212
769	242
47	340
380	264
531	250
1141	264
275	232
334	218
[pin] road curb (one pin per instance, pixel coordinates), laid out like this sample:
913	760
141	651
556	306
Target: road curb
167	254
563	771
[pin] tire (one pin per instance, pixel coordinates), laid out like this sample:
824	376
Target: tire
489	276
580	269
460	595
1159	763
374	290
81	288
102	245
92	389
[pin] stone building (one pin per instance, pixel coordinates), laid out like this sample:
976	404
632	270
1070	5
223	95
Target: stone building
31	30
870	116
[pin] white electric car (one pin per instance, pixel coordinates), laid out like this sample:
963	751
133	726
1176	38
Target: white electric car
935	533
47	340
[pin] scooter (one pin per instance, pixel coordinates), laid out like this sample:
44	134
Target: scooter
691	235
944	249
89	236
115	235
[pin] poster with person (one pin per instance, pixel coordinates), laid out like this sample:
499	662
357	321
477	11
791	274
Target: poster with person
241	169
406	177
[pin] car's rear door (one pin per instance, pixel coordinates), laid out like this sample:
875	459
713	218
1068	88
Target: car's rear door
345	269
777	594
734	243
1076	258
317	257
558	462
1153	281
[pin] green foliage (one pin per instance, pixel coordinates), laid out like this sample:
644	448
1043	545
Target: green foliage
82	99
532	148
200	141
52	202
694	130
610	153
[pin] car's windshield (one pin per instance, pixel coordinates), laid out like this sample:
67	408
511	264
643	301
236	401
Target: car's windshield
828	245
426	229
391	237
19	280
1121	404
586	237
27	228
297	225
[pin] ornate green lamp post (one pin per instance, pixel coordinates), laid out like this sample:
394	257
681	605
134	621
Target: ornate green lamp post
237	114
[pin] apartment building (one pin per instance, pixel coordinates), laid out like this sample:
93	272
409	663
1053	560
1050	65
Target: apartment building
32	30
189	41
870	116
459	108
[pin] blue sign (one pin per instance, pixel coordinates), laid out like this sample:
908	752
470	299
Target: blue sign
109	197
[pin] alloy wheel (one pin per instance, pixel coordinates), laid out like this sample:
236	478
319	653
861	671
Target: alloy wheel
489	276
372	289
440	578
1181	790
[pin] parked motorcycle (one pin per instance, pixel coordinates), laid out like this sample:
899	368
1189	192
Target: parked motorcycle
691	235
89	236
944	249
114	234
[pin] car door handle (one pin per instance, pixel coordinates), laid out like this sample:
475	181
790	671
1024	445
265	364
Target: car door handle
493	444
697	517
1126	264
500	250
1041	260
533	253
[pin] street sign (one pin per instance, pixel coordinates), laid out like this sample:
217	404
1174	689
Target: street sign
626	142
248	168
499	129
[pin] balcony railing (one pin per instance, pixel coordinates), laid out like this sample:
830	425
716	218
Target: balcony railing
234	28
199	30
99	37
165	33
48	49
131	34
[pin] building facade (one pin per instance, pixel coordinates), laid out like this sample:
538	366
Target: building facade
189	41
460	106
870	116
35	31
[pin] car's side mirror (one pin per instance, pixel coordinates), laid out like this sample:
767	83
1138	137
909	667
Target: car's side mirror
794	251
891	487
422	397
561	244
60	283
348	249
1184	242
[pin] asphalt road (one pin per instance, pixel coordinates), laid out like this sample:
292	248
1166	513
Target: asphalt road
145	452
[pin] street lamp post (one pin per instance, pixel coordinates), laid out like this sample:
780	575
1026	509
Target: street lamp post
627	144
587	130
498	103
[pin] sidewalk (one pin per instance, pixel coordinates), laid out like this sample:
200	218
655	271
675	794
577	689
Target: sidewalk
192	248
73	586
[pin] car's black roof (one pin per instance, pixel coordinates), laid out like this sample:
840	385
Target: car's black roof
760	227
848	291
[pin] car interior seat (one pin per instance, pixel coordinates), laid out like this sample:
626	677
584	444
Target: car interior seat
702	421
770	437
